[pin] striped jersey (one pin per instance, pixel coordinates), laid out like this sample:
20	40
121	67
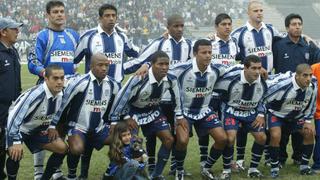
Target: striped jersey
224	52
88	101
240	95
32	112
285	99
257	42
178	52
53	47
197	87
114	46
144	94
316	73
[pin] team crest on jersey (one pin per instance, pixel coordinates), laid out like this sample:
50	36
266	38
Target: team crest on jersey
90	91
236	92
107	91
62	41
259	89
98	43
167	50
307	56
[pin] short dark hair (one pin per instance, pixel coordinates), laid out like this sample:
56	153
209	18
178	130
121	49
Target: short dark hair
302	67
200	42
104	7
221	17
173	18
251	59
52	4
290	17
158	54
50	68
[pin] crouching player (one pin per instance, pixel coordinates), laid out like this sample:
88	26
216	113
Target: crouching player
141	97
29	119
87	101
242	92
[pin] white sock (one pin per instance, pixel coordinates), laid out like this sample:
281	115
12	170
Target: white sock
38	161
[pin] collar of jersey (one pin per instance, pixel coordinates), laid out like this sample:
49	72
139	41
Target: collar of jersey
100	31
48	92
181	40
196	69
92	77
250	27
219	39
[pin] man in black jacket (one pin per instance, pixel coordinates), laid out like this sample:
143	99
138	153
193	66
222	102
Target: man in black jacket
10	81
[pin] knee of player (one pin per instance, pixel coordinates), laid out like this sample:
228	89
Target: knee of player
222	139
62	148
261	138
275	137
168	141
231	140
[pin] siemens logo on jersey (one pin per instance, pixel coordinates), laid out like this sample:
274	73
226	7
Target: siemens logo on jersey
223	56
96	102
62	53
259	49
245	103
198	89
298	103
115	58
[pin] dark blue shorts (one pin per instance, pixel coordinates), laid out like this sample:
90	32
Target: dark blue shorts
202	126
233	118
92	139
159	124
35	141
293	126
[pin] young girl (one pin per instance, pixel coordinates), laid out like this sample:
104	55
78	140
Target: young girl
126	161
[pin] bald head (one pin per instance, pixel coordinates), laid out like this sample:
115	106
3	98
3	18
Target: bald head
174	18
98	57
301	68
254	3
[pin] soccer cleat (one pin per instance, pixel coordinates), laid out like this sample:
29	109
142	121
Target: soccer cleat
225	175
239	166
307	171
82	178
173	173
254	173
207	174
158	178
274	174
296	162
267	162
179	175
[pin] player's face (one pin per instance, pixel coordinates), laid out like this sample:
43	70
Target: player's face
126	137
176	29
203	56
100	68
55	81
160	68
10	35
295	28
255	12
304	79
108	19
224	28
57	16
252	72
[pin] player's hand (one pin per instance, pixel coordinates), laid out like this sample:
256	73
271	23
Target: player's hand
165	35
52	134
264	73
132	124
211	36
16	152
308	129
183	124
143	70
259	122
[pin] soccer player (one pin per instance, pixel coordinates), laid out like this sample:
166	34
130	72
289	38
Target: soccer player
291	102
242	91
10	79
87	101
54	44
29	120
287	54
255	37
142	96
197	79
107	40
179	50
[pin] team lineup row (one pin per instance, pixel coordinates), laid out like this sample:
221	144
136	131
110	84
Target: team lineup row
63	47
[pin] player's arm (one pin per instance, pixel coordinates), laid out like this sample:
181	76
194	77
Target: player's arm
36	56
82	48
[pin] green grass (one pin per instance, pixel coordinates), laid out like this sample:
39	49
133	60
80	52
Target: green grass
100	160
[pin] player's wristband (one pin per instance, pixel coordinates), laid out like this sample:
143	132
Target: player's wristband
52	127
308	121
16	142
261	115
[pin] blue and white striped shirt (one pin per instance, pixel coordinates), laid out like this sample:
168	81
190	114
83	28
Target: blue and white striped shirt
31	112
178	52
113	46
144	94
53	47
257	42
224	52
197	87
285	99
89	102
239	94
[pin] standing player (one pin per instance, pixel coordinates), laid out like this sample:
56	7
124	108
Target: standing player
87	101
29	120
197	79
179	50
55	44
113	44
10	80
242	91
142	97
291	102
255	37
